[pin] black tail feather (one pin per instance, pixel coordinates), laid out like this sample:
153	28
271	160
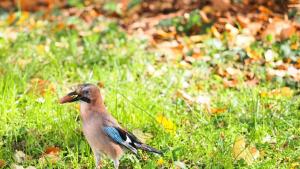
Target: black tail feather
148	148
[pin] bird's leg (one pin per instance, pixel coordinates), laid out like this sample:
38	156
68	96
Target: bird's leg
97	160
116	163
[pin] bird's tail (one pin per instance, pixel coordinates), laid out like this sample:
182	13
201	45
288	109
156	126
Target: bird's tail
148	148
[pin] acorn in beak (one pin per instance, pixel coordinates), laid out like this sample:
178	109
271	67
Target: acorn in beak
71	97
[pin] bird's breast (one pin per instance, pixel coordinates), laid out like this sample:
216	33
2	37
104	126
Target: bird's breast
98	140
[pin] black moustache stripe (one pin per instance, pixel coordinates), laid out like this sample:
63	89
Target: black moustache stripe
85	99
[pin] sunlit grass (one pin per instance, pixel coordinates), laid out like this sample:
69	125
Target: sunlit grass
32	120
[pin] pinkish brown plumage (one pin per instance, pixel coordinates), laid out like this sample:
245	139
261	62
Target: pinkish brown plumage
102	131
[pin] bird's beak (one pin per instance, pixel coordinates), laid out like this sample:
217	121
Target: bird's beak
71	97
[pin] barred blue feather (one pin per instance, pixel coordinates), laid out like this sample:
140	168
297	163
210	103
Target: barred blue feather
128	140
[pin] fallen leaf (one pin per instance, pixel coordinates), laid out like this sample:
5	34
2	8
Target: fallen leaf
231	29
253	54
180	165
52	150
160	161
280	29
30	167
203	100
100	84
19	156
243	41
15	166
269	139
185	96
50	155
168	125
221	5
252	82
215	32
282	92
41	86
269	55
2	163
230	83
240	151
217	111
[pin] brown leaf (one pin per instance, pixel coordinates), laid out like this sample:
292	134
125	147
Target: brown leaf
185	96
51	155
279	29
217	111
252	82
204	17
2	163
6	4
230	83
221	5
162	35
41	86
287	32
100	84
52	150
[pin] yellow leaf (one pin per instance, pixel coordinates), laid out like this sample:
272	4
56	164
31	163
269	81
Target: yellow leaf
238	147
23	18
295	46
283	92
240	151
40	49
295	165
166	123
253	54
215	32
160	161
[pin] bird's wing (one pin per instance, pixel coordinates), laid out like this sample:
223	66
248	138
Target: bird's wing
121	137
128	140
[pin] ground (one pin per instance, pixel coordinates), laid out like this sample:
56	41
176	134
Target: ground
183	107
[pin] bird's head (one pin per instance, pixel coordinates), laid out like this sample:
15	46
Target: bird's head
88	93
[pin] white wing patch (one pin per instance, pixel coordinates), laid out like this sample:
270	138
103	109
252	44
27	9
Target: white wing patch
128	140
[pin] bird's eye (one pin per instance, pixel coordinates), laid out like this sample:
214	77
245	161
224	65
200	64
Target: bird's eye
86	92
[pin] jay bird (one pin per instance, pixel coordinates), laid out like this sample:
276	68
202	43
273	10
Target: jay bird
101	130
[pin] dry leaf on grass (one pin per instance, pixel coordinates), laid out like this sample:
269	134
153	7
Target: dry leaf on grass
2	163
283	92
217	111
180	165
167	124
241	151
41	86
203	100
160	161
50	155
19	156
15	166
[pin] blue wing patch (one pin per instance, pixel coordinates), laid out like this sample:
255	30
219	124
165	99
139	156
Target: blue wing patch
115	135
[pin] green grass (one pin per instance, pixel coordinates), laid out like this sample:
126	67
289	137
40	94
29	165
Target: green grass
135	98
